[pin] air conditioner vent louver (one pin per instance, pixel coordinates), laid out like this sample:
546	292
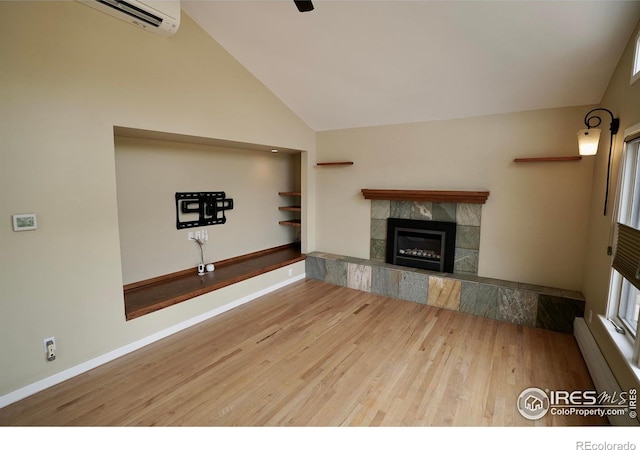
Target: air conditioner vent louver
160	17
133	11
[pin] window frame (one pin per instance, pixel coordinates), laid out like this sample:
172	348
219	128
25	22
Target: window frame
620	290
635	67
628	188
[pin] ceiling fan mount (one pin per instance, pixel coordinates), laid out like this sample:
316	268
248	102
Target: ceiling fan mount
304	5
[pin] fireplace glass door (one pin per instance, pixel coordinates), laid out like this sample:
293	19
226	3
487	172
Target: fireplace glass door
422	244
422	248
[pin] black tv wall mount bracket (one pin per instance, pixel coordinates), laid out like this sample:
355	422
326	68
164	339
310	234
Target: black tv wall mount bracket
209	206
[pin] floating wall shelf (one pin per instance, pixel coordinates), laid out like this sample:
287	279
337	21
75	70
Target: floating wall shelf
291	223
334	163
549	159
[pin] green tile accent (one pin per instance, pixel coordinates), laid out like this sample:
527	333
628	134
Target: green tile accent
466	261
468	237
468	214
380	209
378	249
479	299
400	210
421	211
444	212
385	281
336	272
519	307
413	287
379	229
315	268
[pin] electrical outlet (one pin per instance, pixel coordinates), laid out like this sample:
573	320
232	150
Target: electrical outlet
50	348
590	316
202	235
290	272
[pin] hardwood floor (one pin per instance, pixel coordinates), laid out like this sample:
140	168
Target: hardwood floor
314	354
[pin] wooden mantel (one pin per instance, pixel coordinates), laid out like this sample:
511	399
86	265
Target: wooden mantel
427	196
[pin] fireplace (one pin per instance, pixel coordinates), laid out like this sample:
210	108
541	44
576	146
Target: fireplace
422	244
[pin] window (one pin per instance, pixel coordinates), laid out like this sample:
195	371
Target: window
635	69
629	306
624	298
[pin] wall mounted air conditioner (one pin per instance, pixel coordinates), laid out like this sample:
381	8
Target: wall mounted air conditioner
157	16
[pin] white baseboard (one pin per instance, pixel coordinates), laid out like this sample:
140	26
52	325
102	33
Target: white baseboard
601	374
67	374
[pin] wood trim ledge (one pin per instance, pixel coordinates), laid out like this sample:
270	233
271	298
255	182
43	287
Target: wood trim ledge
151	295
549	159
479	197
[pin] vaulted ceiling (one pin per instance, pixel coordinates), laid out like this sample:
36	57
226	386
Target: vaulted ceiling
363	63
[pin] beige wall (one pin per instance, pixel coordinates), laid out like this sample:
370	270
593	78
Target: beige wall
534	224
623	100
150	172
69	74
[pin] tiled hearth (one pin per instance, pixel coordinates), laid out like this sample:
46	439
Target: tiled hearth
463	290
523	304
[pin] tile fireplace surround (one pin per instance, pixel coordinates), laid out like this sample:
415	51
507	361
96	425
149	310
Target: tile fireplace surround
522	304
465	215
464	208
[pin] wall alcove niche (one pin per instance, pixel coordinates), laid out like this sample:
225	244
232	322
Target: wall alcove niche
152	166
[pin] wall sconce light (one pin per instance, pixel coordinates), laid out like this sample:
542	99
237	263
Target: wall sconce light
589	138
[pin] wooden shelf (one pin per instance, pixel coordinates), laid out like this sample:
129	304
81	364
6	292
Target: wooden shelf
549	159
293	208
334	163
291	222
427	196
147	296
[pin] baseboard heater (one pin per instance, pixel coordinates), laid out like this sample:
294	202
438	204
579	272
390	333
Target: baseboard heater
599	370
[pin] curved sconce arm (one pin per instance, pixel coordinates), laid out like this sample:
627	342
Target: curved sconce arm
593	121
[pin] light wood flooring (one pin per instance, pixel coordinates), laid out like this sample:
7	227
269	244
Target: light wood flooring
314	354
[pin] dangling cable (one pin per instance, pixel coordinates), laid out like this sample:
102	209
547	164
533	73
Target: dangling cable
606	194
201	244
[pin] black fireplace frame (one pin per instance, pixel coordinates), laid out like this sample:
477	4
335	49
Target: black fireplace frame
446	229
